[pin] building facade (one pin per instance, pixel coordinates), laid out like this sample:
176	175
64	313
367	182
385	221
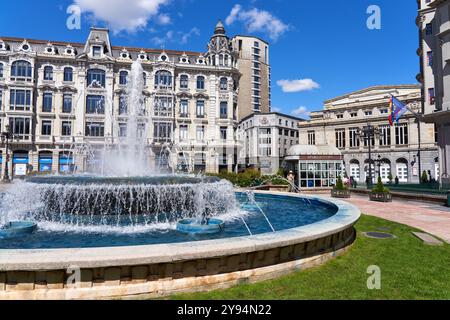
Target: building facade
63	102
395	152
266	139
434	34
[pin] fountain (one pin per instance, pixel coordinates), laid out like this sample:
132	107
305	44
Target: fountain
132	229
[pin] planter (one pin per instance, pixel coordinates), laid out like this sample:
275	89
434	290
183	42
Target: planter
380	196
343	194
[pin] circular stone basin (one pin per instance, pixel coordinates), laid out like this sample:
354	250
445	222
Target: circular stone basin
192	226
15	229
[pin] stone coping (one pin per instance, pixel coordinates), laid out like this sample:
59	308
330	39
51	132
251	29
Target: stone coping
55	259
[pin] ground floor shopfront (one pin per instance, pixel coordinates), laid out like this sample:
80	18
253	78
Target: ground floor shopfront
314	166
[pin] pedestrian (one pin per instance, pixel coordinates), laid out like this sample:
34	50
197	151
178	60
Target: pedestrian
291	179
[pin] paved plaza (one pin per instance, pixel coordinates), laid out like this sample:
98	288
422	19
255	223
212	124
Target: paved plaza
429	217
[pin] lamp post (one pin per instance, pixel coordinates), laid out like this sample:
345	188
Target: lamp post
379	163
5	138
368	134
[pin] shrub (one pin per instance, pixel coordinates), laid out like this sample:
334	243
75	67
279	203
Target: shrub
424	177
340	184
380	188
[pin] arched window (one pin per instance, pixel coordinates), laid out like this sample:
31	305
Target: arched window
96	78
201	82
402	170
122	105
1	70
48	73
123	77
68	74
21	68
184	81
163	78
223	83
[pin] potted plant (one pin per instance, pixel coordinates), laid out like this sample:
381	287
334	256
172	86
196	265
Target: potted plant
380	193
340	190
390	178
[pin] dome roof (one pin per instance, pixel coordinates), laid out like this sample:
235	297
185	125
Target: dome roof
220	29
321	150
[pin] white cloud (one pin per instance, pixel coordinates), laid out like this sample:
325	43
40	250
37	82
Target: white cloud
186	36
301	112
276	109
174	37
164	19
256	20
300	85
129	16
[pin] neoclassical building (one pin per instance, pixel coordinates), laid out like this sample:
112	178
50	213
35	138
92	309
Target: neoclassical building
395	151
63	102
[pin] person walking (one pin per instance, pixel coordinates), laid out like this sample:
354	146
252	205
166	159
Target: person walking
291	179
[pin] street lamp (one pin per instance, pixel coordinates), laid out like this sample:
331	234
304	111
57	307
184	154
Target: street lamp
5	138
368	134
379	163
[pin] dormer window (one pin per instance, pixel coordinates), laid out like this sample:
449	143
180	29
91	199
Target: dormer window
96	51
25	47
124	55
142	57
163	58
2	46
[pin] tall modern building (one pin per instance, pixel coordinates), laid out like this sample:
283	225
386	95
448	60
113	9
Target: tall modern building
64	102
434	34
255	84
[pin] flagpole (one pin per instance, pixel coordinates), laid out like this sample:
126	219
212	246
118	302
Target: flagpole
419	118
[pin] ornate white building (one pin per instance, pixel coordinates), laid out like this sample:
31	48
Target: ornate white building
396	146
61	101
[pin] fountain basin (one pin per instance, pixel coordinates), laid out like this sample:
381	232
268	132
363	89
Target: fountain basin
192	226
15	229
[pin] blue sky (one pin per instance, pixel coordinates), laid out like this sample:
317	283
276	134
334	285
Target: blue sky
322	49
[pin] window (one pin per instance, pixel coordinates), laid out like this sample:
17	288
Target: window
123	77
122	130
163	106
429	29
384	111
20	127
68	75
183	132
223	110
163	131
401	134
340	116
368	113
223	84
46	129
47	103
430	58
256	44
123	104
385	135
200	133
48	73
184	82
163	78
96	78
67	103
95	104
431	96
1	103
223	133
354	139
66	128
21	69
184	109
96	51
20	99
144	79
200	109
353	114
95	129
340	138
200	83
1	70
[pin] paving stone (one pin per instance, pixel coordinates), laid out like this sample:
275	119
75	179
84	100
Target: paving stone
428	239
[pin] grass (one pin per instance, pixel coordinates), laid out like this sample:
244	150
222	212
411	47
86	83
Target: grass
409	270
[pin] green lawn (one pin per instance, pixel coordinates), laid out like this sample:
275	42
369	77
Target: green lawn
409	270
